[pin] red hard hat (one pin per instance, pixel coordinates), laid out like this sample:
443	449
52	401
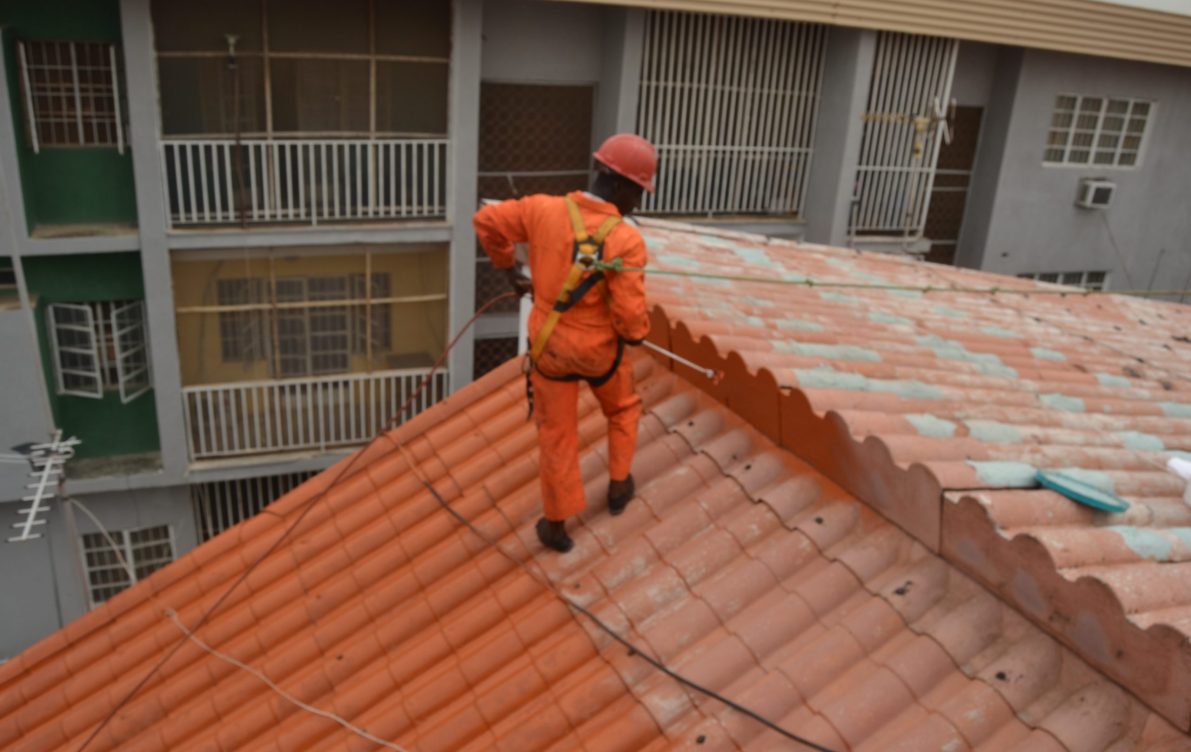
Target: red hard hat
631	156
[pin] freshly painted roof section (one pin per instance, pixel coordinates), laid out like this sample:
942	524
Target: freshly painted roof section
1081	26
971	393
739	565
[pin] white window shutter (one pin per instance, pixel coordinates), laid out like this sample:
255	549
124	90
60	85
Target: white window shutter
76	356
131	340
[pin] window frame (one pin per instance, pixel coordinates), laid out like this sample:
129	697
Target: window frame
108	353
271	93
129	568
73	99
1067	147
1061	279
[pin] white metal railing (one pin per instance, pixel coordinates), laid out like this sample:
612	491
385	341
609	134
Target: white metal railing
216	181
260	417
731	104
903	130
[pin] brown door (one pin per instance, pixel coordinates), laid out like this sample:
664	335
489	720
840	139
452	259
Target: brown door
952	178
533	139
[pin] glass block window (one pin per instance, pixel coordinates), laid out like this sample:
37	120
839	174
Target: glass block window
1097	131
136	555
1086	280
71	93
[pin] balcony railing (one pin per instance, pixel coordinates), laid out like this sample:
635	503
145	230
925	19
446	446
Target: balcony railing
319	413
216	181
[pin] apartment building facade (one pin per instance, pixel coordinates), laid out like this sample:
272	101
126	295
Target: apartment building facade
234	237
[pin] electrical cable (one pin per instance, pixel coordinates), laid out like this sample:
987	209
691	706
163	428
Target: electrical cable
173	615
601	624
309	504
811	282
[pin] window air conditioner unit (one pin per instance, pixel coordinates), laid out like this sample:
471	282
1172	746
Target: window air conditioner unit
1095	193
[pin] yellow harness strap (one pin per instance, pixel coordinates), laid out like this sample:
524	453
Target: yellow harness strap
587	250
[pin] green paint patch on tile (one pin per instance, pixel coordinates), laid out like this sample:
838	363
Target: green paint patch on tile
1141	442
676	260
880	317
1045	353
996	331
911	294
993	432
839	297
798	325
757	302
1108	379
949	349
1006	474
1146	543
1062	402
1094	478
1182	534
837	352
1176	410
828	378
755	257
930	425
949	312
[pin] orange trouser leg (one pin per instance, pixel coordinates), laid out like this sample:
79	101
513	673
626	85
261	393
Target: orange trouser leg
556	412
622	406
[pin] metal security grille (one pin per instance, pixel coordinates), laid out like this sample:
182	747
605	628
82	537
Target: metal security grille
1086	280
730	103
144	551
903	128
98	346
221	504
491	353
72	94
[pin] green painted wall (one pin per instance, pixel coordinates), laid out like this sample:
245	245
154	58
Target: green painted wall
66	185
107	427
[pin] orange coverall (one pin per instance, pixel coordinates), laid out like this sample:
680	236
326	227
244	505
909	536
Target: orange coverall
585	341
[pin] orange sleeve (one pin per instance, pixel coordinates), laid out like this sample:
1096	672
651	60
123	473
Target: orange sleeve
626	290
500	226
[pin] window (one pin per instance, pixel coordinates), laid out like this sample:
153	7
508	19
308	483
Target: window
1086	280
1097	131
98	347
730	103
71	94
350	68
144	551
221	504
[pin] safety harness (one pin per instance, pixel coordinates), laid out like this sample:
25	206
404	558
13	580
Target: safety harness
587	255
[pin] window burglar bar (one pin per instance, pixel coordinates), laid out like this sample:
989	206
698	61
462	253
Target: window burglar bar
730	104
145	551
219	505
98	346
214	181
71	94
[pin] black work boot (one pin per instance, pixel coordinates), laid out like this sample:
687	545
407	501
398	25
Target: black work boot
553	535
620	493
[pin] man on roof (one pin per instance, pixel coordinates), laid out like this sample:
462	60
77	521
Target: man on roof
585	311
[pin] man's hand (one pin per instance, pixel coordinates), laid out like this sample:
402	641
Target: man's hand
521	284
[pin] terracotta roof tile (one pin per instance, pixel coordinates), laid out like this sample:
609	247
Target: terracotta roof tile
902	395
743	567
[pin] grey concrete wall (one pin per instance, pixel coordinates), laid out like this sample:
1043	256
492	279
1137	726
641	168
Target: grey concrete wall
24	412
975	68
1033	224
464	127
42	581
619	89
847	72
543	42
990	155
144	132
